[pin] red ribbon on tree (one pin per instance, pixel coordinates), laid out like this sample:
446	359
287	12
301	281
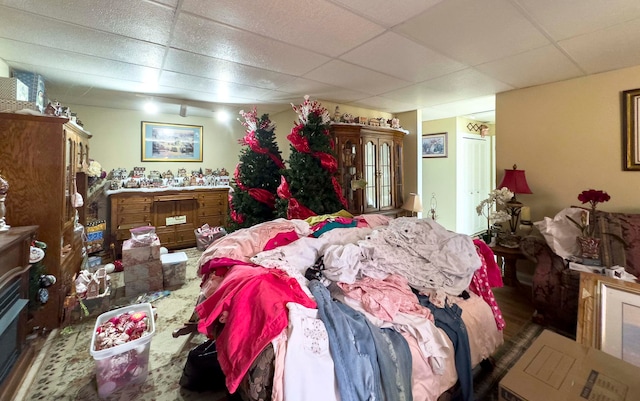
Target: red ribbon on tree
298	211
262	195
253	143
300	143
336	187
237	217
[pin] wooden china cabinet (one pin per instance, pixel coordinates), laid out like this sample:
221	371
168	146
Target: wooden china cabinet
44	159
370	167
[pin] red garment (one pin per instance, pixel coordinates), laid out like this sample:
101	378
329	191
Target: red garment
481	283
281	239
494	273
255	299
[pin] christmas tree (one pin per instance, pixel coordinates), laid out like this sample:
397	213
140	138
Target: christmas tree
309	186
257	175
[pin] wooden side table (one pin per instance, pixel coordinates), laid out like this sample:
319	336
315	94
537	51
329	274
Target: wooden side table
507	259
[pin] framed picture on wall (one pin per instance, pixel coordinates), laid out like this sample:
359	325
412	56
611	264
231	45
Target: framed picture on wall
631	129
162	142
434	145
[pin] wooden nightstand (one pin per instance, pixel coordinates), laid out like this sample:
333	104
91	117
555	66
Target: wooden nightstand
507	259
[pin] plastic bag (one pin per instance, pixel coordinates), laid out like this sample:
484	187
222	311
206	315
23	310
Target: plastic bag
143	236
202	370
205	236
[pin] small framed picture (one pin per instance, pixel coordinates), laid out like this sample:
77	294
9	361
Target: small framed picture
434	145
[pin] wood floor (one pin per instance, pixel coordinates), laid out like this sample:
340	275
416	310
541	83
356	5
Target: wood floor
516	307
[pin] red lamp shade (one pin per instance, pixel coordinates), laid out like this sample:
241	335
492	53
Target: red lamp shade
516	181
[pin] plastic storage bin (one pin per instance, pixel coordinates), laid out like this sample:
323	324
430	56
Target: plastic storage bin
174	269
123	364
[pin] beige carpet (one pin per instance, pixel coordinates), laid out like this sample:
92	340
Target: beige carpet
64	369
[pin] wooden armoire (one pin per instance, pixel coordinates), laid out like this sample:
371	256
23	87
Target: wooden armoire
44	159
370	167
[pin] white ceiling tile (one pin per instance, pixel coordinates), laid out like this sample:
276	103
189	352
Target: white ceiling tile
467	106
540	66
460	85
147	21
342	74
319	26
385	12
608	49
320	90
223	70
220	91
472	31
45	32
382	103
220	41
568	18
46	58
400	57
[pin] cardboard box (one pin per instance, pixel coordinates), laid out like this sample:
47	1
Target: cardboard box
35	83
142	268
7	105
13	89
558	368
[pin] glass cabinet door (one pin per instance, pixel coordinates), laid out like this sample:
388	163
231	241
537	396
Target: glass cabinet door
385	168
370	175
69	179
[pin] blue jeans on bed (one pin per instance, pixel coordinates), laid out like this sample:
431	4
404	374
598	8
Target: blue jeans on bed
449	319
396	364
352	348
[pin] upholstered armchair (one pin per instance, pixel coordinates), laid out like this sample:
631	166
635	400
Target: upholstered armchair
555	286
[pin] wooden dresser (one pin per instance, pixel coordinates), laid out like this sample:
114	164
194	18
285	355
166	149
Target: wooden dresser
16	355
175	213
44	159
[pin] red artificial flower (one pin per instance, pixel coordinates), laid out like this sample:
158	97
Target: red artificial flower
593	197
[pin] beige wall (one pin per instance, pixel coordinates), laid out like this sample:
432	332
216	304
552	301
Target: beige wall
4	69
568	138
439	174
116	140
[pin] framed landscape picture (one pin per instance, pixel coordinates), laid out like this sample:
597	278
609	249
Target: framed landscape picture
434	145
171	142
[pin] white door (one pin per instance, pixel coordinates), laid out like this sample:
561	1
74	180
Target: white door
473	184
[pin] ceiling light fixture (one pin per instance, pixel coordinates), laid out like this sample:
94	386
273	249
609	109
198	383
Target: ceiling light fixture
222	116
150	106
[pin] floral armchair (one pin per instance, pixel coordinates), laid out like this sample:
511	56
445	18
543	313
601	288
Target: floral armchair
555	286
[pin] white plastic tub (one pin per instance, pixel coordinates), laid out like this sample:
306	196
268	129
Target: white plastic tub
123	364
174	269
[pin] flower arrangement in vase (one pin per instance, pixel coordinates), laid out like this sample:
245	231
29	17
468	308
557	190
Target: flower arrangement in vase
589	243
497	197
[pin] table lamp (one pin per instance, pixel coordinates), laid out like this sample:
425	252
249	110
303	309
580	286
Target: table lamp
516	181
413	204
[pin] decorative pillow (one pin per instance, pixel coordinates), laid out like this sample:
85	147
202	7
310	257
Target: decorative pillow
560	233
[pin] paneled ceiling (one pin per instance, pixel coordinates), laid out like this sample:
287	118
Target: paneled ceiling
445	57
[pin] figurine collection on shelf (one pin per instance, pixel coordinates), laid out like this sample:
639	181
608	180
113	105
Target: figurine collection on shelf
136	178
371	121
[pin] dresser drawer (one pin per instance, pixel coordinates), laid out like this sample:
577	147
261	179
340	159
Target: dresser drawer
133	207
133	199
212	202
132	220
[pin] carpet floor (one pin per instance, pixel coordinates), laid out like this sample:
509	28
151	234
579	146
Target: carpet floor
64	368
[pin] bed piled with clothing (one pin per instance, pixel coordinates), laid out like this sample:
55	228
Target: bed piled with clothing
349	308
